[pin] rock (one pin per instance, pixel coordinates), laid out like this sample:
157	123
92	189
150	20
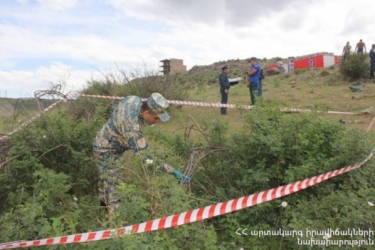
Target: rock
310	106
350	121
324	73
356	87
367	111
272	72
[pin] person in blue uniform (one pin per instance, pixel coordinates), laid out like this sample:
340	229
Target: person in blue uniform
224	87
253	79
122	132
291	65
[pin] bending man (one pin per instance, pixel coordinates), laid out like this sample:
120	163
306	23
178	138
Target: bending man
123	131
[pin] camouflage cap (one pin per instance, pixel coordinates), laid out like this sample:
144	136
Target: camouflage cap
158	104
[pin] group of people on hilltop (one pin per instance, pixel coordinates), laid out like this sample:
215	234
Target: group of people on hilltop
361	48
255	75
254	83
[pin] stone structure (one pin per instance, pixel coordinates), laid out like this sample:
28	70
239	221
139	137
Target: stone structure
171	66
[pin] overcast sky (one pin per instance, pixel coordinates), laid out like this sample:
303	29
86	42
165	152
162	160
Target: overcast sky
43	41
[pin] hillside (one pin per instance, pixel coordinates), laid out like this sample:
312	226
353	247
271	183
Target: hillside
315	89
50	179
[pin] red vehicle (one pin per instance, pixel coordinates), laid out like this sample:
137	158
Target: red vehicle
322	60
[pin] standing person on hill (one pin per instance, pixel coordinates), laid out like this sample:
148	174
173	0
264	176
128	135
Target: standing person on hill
291	65
311	62
280	64
360	46
224	87
253	79
122	132
346	51
372	60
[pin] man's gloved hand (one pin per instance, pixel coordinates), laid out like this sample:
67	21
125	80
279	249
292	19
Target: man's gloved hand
180	177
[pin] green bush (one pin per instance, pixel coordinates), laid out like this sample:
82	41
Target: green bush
275	149
50	188
355	66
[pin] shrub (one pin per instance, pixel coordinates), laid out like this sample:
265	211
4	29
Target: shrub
275	149
355	66
39	185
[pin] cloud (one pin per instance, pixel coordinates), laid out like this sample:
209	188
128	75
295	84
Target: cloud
238	13
30	81
102	34
58	4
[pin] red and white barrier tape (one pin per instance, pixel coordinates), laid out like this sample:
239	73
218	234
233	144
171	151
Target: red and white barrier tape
192	215
176	102
212	104
372	123
31	119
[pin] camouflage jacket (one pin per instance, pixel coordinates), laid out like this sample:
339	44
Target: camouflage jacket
123	130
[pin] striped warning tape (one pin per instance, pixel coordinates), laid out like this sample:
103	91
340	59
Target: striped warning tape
192	215
31	119
212	104
176	102
372	123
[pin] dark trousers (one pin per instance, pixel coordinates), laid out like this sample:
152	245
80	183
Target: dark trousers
260	92
224	100
254	87
372	69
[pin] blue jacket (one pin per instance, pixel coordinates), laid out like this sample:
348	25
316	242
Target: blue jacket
256	75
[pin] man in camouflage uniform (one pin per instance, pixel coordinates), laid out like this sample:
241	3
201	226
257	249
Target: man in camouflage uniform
123	131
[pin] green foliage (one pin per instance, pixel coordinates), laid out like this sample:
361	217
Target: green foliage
275	149
50	187
355	66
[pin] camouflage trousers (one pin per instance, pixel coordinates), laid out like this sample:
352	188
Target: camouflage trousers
110	174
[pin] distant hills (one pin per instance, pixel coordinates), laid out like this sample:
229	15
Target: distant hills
9	106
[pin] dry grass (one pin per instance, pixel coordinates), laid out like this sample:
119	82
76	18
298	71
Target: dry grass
294	90
305	90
